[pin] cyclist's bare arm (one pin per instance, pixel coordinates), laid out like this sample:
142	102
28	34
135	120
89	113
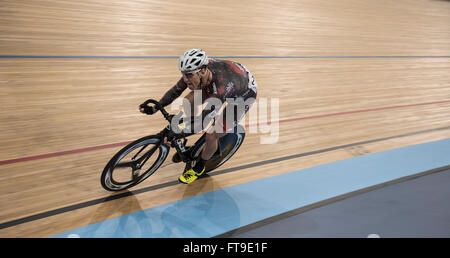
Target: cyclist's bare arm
169	96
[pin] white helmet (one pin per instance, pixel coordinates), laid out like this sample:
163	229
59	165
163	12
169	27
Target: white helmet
192	59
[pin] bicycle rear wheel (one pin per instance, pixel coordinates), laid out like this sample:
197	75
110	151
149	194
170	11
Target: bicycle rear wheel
134	163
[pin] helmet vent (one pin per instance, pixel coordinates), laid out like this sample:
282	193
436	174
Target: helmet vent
192	59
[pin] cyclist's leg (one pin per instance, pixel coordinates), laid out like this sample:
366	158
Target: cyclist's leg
211	144
225	125
240	109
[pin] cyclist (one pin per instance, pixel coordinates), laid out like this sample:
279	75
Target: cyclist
221	79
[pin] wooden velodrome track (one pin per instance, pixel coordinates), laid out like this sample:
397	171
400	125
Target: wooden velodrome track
352	77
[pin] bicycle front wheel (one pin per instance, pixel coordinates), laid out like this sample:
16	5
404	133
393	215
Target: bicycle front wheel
134	163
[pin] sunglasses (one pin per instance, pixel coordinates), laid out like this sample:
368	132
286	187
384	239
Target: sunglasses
189	75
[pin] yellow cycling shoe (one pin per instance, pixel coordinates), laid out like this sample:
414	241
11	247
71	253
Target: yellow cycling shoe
190	176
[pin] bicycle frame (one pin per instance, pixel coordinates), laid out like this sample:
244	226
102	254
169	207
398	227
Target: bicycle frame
175	138
172	137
